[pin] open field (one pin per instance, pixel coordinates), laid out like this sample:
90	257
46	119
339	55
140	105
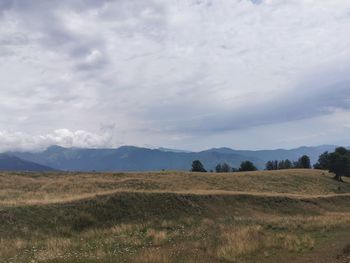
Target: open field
289	216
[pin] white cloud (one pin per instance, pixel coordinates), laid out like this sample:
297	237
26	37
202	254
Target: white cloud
62	137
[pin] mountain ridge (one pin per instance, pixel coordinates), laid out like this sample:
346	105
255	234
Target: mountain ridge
133	158
13	163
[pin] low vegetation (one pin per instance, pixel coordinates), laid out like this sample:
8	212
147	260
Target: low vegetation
170	216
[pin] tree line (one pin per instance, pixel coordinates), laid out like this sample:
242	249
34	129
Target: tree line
303	162
337	162
197	166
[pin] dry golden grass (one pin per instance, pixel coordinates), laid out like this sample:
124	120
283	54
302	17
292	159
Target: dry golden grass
153	255
124	228
238	242
157	237
326	221
31	188
54	248
10	247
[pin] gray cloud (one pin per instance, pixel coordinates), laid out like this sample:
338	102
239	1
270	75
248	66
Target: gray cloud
5	5
13	39
178	73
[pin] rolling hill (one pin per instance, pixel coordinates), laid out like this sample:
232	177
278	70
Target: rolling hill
155	217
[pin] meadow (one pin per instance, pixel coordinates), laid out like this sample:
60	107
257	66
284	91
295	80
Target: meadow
265	216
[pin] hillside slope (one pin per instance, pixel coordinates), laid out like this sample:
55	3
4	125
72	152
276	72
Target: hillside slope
12	163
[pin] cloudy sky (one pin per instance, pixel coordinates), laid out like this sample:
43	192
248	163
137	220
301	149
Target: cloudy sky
189	74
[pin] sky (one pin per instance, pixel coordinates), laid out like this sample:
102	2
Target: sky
185	74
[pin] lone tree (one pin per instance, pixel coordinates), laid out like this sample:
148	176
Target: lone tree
197	166
339	163
304	162
247	166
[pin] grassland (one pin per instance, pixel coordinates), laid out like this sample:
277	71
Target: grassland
289	216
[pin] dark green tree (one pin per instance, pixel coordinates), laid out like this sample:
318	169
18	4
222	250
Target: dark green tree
281	165
270	166
197	166
323	162
296	164
218	168
339	163
288	164
304	162
225	168
278	165
247	166
285	164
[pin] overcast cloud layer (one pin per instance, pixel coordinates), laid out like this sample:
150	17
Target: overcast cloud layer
187	74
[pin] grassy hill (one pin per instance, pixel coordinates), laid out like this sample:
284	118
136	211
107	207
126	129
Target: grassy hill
171	216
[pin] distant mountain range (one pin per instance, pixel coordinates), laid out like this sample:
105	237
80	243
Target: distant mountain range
13	163
130	158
